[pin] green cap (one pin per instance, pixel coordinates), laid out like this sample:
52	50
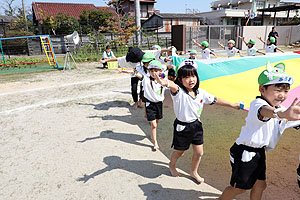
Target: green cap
157	47
193	51
231	41
274	75
154	64
272	39
204	43
147	57
251	42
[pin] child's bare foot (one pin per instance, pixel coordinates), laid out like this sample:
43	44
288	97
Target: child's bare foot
135	106
173	171
198	178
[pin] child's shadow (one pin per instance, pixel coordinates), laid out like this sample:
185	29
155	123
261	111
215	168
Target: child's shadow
155	191
145	168
107	105
124	137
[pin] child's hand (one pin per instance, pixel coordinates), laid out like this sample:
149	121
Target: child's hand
241	37
293	112
159	80
194	41
236	106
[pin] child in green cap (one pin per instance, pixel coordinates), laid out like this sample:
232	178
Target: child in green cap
206	52
193	54
251	50
270	45
230	48
265	123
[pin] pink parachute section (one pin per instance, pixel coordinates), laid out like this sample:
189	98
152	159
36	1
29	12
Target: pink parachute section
292	95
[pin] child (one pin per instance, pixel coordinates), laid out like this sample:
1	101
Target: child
107	54
205	50
230	49
154	95
193	54
265	123
270	47
251	50
188	100
298	173
171	74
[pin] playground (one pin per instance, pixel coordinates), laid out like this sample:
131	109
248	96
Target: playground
73	135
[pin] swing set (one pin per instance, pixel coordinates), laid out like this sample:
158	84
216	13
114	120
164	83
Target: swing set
47	48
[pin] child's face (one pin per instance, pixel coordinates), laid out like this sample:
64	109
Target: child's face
189	82
250	45
202	47
230	45
268	41
153	71
169	53
108	50
146	64
274	95
192	56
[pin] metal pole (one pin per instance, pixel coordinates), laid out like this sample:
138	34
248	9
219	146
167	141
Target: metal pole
24	13
138	21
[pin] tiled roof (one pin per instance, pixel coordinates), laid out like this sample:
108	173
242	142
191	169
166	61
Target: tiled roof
178	15
72	9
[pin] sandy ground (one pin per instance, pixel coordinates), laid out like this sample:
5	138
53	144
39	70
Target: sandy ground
74	135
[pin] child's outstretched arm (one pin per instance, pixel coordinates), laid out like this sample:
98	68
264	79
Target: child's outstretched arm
261	52
167	83
108	60
261	40
212	53
243	39
280	50
222	102
221	45
196	43
291	114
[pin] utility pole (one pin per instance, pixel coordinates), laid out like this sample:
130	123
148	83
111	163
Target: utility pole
24	13
138	21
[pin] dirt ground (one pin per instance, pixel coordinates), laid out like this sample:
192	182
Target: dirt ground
61	131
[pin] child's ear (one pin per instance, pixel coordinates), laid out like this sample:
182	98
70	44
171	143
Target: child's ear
261	89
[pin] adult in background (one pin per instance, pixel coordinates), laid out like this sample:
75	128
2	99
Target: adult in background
274	34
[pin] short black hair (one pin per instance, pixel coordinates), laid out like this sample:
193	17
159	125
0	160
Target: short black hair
108	47
186	71
280	85
171	72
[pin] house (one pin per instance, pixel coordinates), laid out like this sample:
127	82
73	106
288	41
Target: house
163	21
4	22
127	7
234	12
53	9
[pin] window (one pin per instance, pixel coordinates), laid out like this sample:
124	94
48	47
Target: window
260	4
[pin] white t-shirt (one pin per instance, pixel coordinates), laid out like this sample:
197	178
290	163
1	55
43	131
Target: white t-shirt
262	133
187	108
270	48
124	64
231	52
206	53
110	55
251	51
153	91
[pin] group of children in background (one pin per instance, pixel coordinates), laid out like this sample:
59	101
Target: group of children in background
264	124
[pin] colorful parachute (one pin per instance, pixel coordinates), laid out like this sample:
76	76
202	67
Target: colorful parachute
235	79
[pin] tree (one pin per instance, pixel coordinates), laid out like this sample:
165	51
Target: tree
20	23
92	20
9	9
122	25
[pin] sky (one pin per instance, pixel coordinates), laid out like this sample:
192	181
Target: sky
165	6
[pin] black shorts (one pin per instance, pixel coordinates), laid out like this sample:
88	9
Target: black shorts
154	110
298	175
245	174
186	134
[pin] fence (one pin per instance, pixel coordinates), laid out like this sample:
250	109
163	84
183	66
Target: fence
211	34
